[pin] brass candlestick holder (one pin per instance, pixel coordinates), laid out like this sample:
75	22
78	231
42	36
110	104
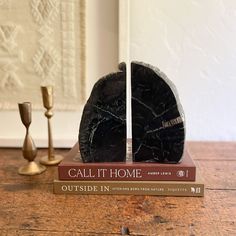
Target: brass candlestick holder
29	149
51	159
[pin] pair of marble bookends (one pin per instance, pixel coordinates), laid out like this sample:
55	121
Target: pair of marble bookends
158	129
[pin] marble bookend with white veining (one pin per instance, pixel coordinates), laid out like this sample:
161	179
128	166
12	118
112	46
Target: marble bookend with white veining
102	133
158	129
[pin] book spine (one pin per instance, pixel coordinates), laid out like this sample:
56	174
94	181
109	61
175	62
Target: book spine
128	188
126	173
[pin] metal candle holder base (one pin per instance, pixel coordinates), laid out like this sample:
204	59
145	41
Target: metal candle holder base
32	168
56	159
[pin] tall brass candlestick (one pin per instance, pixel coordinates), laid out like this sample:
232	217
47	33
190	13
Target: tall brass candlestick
29	149
51	159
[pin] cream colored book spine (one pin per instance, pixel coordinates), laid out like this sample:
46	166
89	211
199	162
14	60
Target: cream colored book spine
158	188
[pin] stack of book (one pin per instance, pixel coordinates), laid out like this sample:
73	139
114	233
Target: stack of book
76	177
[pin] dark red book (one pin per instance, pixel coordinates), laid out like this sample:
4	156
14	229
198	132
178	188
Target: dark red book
72	168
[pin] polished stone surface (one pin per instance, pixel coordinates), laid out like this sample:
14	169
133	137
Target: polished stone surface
157	118
158	128
102	134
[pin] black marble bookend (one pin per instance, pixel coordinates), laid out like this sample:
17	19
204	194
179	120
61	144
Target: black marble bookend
102	133
158	130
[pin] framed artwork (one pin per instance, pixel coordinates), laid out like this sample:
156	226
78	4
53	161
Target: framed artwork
42	42
51	42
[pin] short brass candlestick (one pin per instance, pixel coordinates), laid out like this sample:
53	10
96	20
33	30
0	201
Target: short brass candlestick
29	149
51	159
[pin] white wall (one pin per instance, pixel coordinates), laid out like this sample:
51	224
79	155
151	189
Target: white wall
193	42
101	58
102	39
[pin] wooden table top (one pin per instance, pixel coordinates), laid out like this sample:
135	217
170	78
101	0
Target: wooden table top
28	206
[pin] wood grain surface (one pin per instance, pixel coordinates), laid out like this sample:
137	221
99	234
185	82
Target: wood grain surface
28	206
